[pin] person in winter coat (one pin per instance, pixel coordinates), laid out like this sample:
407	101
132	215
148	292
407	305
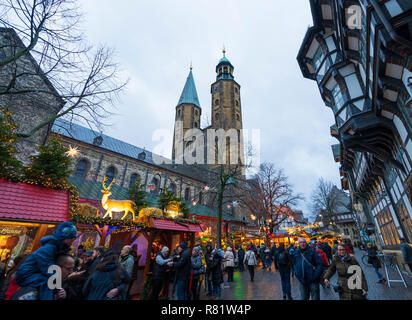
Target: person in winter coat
97	256
267	258
159	272
250	260
373	259
282	263
10	286
340	264
208	274
182	264
127	260
291	251
33	272
241	257
406	253
308	270
197	269
262	255
217	272
229	263
109	280
328	250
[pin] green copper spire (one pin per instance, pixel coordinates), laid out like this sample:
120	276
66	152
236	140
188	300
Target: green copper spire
189	94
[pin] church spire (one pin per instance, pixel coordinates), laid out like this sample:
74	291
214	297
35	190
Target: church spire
189	93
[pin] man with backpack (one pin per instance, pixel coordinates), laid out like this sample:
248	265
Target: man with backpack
282	263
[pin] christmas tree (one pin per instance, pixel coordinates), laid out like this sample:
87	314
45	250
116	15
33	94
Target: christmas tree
138	196
10	167
51	165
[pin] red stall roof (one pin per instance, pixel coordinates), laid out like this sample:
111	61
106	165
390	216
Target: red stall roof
172	225
21	201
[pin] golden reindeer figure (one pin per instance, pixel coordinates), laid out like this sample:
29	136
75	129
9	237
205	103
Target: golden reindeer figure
115	205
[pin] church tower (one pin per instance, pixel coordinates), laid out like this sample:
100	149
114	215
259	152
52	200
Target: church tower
226	107
188	112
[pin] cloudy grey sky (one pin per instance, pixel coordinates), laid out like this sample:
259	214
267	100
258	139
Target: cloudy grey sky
155	42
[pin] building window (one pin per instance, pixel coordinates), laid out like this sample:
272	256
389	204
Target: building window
406	222
196	125
237	103
225	69
179	113
236	90
387	226
81	169
217	116
217	102
110	174
318	58
172	188
187	194
133	178
154	185
338	97
200	197
237	117
196	113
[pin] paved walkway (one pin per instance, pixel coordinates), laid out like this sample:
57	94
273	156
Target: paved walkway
267	286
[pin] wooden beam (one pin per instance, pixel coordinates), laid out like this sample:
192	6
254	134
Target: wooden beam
40	234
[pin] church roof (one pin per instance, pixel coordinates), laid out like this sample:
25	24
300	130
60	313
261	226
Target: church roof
86	135
189	94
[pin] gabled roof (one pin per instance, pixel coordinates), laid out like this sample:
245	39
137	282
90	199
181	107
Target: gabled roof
189	93
21	201
19	43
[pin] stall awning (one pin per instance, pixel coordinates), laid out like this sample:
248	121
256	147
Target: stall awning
172	225
21	201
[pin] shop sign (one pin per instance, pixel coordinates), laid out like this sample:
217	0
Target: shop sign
11	231
249	229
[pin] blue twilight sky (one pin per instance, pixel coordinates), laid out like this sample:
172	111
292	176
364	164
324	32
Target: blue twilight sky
155	42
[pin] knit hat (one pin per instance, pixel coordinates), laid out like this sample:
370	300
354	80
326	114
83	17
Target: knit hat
65	230
183	245
197	249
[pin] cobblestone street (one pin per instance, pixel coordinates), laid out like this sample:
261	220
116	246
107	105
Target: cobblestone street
267	286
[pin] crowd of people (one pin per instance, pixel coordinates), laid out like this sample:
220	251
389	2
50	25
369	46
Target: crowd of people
103	274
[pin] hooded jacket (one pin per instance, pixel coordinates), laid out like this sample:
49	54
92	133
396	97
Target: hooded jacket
34	270
217	273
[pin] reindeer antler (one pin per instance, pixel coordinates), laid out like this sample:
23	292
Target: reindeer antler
103	183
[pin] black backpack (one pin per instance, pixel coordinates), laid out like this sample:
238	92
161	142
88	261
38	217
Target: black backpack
283	258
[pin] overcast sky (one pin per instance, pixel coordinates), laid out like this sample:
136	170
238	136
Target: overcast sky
155	42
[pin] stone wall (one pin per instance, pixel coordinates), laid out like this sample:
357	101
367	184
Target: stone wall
39	102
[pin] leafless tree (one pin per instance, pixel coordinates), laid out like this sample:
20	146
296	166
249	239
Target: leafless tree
83	78
271	196
326	199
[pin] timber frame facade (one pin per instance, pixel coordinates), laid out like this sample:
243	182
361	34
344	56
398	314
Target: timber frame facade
360	54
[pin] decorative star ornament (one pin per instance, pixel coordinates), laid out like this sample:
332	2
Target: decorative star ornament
72	152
